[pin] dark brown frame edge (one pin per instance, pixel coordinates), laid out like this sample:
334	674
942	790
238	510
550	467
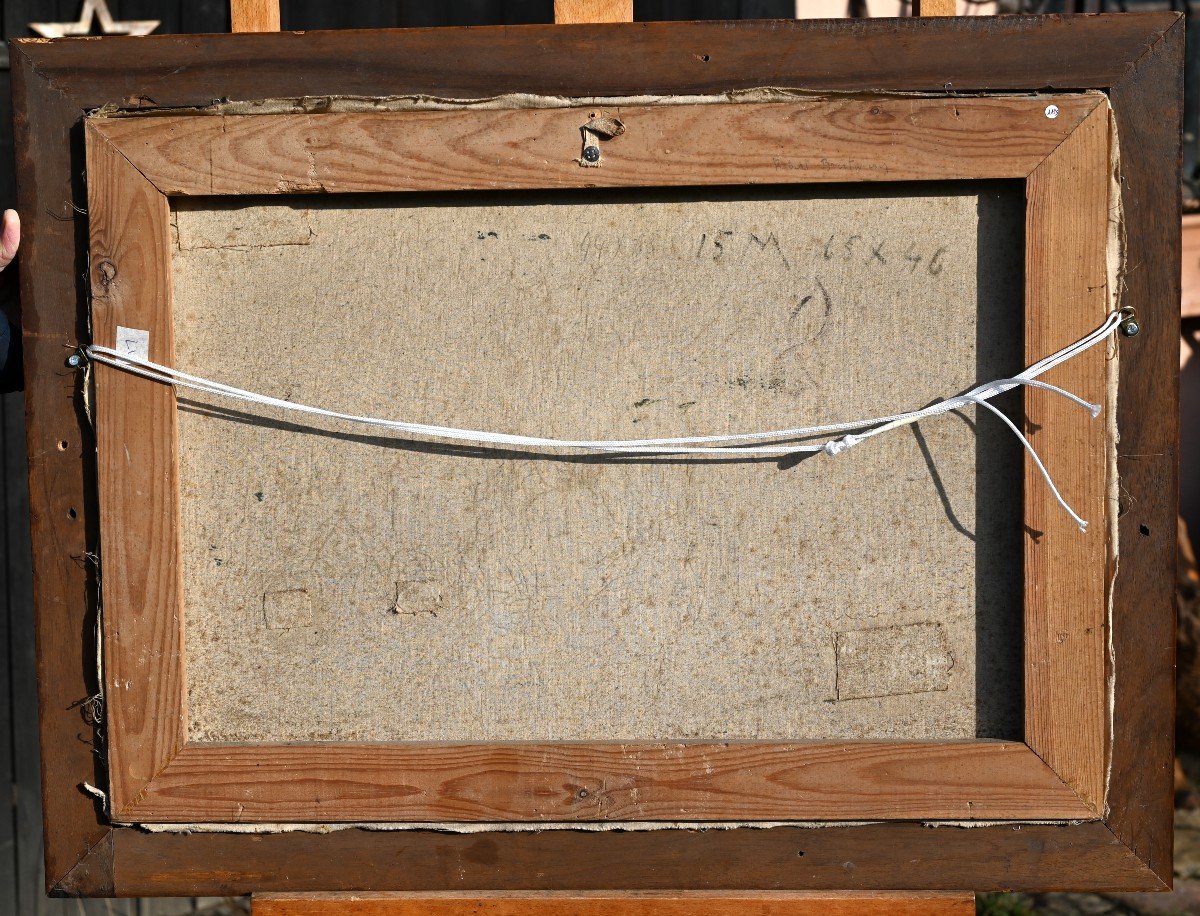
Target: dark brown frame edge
1135	58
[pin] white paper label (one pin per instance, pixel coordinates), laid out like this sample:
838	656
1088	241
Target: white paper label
133	342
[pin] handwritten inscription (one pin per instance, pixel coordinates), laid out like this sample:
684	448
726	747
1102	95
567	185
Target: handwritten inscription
719	244
812	261
730	244
857	247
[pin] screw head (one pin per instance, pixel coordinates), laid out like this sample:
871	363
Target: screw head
591	153
1051	111
74	360
1131	329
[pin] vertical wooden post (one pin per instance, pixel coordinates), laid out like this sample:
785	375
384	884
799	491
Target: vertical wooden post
254	15
935	8
566	11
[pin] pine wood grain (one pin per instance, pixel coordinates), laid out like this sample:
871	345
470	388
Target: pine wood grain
572	11
250	154
1147	106
972	780
1067	571
136	442
881	856
729	903
56	485
871	139
959	54
254	15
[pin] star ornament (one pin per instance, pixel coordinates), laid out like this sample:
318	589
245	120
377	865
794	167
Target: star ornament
92	10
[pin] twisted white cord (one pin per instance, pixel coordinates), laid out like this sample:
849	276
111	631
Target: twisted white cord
682	445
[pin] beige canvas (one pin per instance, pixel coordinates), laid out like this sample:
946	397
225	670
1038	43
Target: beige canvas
341	584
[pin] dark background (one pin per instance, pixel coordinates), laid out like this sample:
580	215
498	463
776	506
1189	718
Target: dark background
21	880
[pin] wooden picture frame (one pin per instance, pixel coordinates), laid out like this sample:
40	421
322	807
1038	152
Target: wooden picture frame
136	164
1099	771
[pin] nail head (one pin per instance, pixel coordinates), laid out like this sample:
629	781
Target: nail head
74	360
591	153
1131	329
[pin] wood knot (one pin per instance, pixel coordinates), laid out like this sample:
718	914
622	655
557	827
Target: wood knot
106	272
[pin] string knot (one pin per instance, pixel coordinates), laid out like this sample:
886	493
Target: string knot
837	446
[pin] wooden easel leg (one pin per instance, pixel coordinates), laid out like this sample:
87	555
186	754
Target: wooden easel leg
614	903
566	11
935	8
254	15
263	15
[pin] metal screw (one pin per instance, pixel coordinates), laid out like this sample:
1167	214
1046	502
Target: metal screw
591	153
1051	111
74	360
1131	328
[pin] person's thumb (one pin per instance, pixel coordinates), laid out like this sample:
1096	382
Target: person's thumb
10	237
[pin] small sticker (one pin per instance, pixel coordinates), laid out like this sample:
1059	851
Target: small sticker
133	342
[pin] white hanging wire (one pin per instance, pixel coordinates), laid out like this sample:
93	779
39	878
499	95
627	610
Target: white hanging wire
683	445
